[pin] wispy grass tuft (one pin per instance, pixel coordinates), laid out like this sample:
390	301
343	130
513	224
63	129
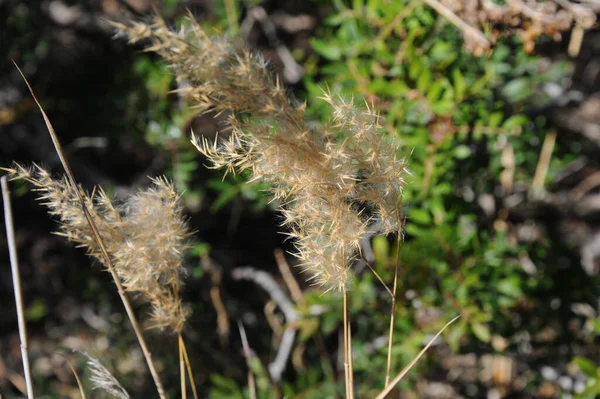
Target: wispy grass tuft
338	183
103	379
146	237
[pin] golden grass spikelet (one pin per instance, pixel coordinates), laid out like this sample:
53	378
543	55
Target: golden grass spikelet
146	237
338	183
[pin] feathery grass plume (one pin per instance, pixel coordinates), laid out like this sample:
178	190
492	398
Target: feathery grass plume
103	379
338	183
146	237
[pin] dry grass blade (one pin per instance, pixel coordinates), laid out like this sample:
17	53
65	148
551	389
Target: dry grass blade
541	169
77	379
16	277
397	379
98	239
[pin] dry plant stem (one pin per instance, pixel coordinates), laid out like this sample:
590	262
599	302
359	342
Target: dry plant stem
576	40
388	371
377	276
397	379
181	369
296	292
544	162
350	359
588	184
467	29
278	296
247	356
392	310
77	379
188	365
347	350
215	297
288	277
128	308
16	277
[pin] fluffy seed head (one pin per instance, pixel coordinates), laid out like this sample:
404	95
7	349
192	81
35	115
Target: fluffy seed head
146	237
338	183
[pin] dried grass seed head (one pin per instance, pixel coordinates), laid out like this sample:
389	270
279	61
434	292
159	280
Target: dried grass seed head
338	183
146	237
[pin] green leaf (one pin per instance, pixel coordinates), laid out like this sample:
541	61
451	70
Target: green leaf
495	119
201	248
326	49
435	91
460	88
424	80
596	325
518	89
420	216
510	287
462	152
224	388
443	107
515	121
586	365
36	311
225	197
481	331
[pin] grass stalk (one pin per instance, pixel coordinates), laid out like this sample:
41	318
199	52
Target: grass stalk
388	371
347	350
77	379
181	368
350	359
109	264
16	277
388	388
188	366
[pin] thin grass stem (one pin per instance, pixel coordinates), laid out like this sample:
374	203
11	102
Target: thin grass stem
377	276
347	349
350	360
188	366
388	371
410	365
109	264
181	368
77	379
16	277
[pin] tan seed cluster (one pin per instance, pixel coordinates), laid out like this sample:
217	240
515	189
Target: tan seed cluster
146	237
338	183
